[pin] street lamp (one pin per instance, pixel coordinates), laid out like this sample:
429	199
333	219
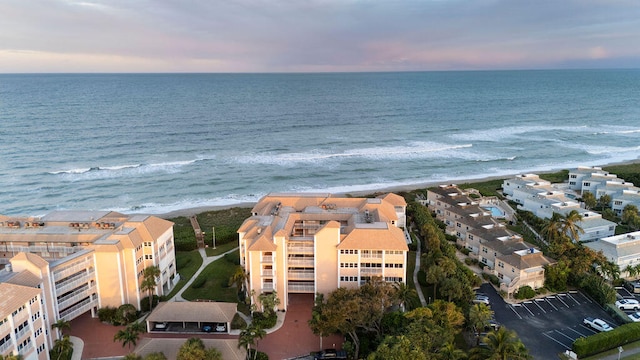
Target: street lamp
213	231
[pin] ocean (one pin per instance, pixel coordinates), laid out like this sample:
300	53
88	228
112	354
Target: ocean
156	143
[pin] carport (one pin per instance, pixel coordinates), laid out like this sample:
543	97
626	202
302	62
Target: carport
191	316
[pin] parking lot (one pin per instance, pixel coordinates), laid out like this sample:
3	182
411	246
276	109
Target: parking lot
548	326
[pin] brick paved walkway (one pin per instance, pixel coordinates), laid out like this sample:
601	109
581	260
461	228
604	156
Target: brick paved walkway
295	338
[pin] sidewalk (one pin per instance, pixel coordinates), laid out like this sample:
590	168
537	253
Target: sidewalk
205	261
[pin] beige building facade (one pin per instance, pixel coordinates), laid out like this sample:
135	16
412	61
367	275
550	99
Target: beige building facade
81	261
316	243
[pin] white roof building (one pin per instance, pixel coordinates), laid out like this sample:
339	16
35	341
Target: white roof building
623	250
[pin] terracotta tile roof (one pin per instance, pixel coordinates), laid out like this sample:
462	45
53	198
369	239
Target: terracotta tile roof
179	311
32	258
527	261
14	296
391	238
394	199
24	278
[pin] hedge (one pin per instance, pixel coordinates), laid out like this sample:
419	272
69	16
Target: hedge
603	341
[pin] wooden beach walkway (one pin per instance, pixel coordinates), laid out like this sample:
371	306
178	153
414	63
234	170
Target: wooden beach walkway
198	231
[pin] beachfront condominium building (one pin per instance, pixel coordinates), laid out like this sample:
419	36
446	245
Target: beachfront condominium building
316	243
82	261
22	325
622	250
501	252
543	199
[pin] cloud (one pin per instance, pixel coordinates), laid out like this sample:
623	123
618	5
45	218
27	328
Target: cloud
314	35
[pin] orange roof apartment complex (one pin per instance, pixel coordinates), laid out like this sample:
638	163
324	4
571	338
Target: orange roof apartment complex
75	262
315	243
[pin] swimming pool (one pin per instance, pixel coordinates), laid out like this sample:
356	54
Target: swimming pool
495	211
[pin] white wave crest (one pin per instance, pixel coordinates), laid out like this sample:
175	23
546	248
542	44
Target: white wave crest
122	170
414	150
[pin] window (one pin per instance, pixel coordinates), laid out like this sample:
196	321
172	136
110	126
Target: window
587	184
392	279
572	182
501	264
348	278
617	202
348	251
470	237
397	266
500	276
484	250
148	257
573	176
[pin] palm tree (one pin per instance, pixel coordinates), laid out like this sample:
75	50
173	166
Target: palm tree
11	357
551	228
239	278
450	352
61	325
604	201
130	335
63	348
479	316
192	349
630	216
589	200
249	336
405	294
503	344
570	225
149	282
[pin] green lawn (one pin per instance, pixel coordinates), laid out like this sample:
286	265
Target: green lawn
187	263
216	281
221	249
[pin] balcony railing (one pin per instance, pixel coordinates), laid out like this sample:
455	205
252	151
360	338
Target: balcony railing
300	249
61	274
301	275
75	296
301	287
300	262
80	308
371	271
267	287
4	347
267	272
267	259
75	281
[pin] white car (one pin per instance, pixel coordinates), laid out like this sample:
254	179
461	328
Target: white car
597	324
635	316
628	304
481	299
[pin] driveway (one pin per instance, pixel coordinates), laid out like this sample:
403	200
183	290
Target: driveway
547	326
295	338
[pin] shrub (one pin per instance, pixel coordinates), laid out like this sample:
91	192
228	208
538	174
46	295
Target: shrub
451	238
144	303
265	322
107	314
465	251
422	277
494	280
525	292
232	259
125	314
199	282
585	346
413	247
259	356
238	322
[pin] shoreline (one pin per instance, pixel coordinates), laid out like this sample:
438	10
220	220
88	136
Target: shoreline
188	212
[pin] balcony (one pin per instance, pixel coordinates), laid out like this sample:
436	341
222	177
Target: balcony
267	259
300	275
371	271
77	267
75	281
78	309
267	287
75	296
300	248
300	262
301	287
267	272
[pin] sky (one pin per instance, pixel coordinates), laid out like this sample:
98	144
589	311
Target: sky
52	36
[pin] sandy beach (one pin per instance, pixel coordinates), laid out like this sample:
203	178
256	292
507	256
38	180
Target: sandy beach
187	212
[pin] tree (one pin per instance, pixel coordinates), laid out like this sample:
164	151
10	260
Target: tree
62	348
604	201
130	335
155	356
61	325
450	352
405	295
239	278
610	270
149	282
630	216
397	348
589	200
269	301
132	356
569	225
250	337
11	357
479	316
551	227
192	349
503	344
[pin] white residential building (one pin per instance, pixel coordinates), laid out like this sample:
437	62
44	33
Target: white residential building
623	250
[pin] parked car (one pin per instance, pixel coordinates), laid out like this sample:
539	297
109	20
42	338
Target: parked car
221	328
628	304
207	328
632	286
330	354
481	299
160	326
597	324
634	316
